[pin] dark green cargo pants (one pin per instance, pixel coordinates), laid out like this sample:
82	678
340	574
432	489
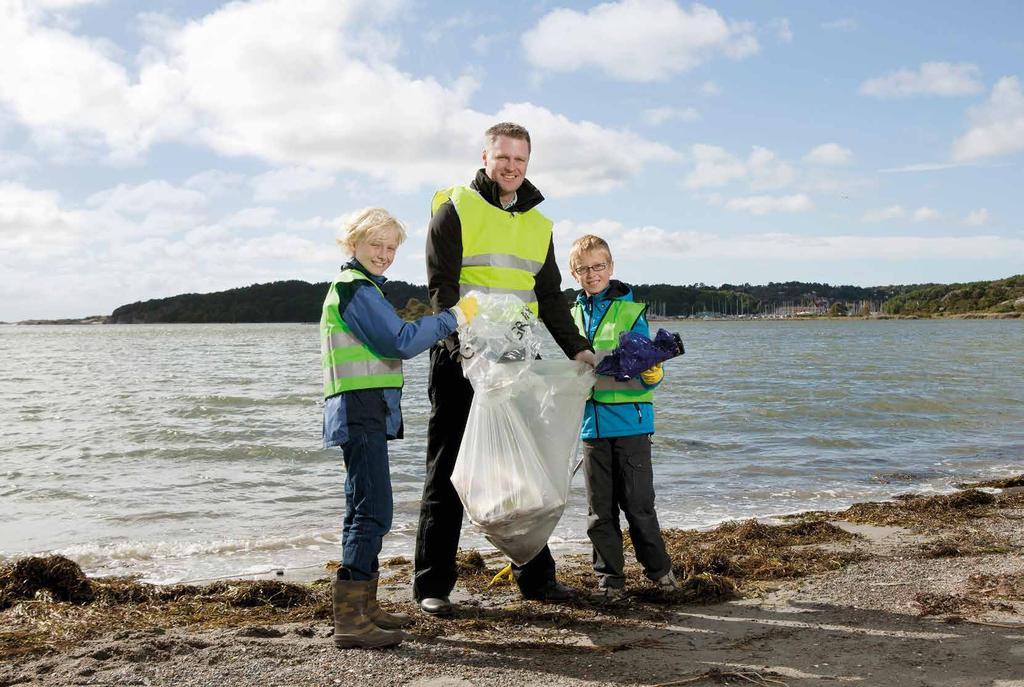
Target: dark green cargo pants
620	478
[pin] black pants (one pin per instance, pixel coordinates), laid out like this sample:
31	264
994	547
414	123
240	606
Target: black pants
619	476
437	539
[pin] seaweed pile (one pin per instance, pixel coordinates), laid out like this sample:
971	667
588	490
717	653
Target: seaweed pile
48	602
929	513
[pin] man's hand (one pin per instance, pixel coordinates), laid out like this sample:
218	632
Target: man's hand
587	357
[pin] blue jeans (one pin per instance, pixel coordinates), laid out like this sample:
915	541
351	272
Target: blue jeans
368	503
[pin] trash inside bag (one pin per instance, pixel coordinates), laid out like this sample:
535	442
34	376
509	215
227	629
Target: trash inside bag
636	353
514	465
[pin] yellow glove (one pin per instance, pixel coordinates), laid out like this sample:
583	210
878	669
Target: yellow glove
466	309
652	375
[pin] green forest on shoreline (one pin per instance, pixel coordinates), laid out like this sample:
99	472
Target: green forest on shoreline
300	301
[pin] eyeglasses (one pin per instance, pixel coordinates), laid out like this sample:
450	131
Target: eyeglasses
596	269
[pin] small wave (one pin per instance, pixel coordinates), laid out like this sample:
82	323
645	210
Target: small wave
100	555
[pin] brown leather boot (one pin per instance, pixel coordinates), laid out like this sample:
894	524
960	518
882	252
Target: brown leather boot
353	627
381	618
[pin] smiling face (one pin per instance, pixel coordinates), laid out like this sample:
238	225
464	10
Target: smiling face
377	251
592	270
505	161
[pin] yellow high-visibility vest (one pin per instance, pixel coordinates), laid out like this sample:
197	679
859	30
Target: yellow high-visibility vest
502	251
619	317
348	363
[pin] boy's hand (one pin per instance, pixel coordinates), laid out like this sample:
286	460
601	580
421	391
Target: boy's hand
587	357
652	375
466	309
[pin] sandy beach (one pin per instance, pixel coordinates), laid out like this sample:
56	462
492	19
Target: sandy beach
917	591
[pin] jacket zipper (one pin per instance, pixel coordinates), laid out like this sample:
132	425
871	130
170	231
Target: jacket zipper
639	415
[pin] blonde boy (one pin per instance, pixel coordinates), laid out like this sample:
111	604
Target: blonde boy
363	343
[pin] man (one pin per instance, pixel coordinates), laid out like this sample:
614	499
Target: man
488	236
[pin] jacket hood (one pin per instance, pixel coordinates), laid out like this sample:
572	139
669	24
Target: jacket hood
616	290
527	196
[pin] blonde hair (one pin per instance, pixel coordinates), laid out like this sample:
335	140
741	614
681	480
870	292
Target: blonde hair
368	224
586	244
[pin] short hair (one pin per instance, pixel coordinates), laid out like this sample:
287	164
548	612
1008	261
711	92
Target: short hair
509	129
368	224
585	244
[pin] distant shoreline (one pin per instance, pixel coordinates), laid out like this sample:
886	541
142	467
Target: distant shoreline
103	319
800	318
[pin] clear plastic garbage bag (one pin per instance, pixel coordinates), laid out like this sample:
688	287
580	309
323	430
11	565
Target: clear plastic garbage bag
514	465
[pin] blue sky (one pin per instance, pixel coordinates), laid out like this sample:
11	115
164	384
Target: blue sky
198	146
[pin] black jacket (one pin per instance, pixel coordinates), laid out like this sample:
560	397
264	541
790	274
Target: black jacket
444	263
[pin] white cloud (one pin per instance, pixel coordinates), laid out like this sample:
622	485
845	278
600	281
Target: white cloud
921	167
844	24
926	214
572	158
626	241
67	90
714	166
659	115
710	89
146	198
63	4
782	30
978	218
293	86
828	154
635	40
258	217
289	182
33	226
997	127
885	214
14	162
764	205
932	78
766	171
215	182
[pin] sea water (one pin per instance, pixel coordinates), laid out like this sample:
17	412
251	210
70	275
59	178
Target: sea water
191	452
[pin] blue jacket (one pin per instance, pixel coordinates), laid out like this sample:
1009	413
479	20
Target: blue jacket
376	323
606	420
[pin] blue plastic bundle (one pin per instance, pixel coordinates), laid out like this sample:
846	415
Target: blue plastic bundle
635	353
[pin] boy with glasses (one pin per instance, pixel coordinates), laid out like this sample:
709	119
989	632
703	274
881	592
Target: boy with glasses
617	428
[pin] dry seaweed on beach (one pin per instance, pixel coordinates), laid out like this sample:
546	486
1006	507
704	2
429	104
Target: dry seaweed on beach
50	603
59	577
718	676
754	551
930	603
958	605
1004	586
964	541
1006	483
923	513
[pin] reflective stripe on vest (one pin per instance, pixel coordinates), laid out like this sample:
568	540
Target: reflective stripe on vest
619	317
502	251
347	362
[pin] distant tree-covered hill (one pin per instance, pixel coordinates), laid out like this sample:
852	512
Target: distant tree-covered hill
999	296
299	301
279	301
